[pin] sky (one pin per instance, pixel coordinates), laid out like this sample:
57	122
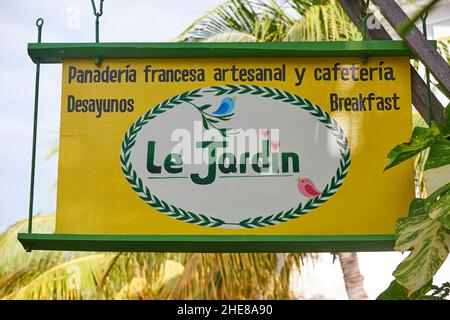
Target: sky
73	21
64	21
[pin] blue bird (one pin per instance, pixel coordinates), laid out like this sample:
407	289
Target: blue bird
226	107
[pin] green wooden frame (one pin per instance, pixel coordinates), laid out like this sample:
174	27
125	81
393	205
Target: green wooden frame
206	243
57	52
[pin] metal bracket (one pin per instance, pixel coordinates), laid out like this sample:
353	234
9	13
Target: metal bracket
39	24
364	15
98	14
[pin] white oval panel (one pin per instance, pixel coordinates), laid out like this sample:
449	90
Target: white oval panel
235	156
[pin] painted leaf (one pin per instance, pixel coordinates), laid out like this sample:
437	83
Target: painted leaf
421	139
429	243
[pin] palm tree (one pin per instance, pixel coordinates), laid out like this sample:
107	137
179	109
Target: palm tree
290	20
353	279
256	20
89	275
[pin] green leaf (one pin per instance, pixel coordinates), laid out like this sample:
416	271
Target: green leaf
224	131
417	207
205	123
204	107
421	139
396	291
225	117
437	194
444	91
212	120
429	243
441	292
409	23
447	113
437	167
439	155
440	209
434	178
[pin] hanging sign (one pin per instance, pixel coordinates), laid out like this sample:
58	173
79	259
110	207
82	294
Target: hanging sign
233	147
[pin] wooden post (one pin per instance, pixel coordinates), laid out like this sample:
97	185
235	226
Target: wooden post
416	41
418	87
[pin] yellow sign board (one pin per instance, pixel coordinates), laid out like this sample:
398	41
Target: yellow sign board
222	146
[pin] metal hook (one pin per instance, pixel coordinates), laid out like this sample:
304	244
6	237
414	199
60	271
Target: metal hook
39	24
97	14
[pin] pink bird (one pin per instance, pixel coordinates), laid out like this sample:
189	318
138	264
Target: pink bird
265	133
275	145
307	188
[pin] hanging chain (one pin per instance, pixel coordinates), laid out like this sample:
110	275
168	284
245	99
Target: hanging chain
427	72
97	14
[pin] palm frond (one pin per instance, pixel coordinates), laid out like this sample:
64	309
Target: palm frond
76	279
292	20
12	254
232	37
138	275
58	275
233	15
17	267
234	276
201	276
301	6
266	21
325	22
443	46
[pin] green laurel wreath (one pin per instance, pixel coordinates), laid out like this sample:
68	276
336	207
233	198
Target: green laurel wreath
209	120
260	221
